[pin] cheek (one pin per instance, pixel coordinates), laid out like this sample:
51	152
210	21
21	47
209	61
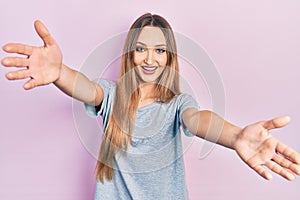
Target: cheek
162	60
137	59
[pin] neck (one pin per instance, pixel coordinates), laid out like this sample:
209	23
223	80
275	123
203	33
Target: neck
148	90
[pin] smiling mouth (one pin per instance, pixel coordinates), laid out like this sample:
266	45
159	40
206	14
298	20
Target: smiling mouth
149	68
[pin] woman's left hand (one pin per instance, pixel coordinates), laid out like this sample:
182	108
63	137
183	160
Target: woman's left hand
259	149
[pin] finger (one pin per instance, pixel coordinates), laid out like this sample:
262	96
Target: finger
18	48
263	172
43	32
283	162
276	122
15	62
288	152
20	74
279	170
32	83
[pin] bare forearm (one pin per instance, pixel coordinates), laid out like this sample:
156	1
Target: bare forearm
210	126
215	129
78	86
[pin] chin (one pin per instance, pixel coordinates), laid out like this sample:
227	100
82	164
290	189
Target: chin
144	78
148	80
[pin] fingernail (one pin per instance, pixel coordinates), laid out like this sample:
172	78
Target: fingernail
9	76
291	177
269	176
5	48
5	62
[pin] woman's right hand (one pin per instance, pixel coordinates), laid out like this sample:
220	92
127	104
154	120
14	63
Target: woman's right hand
42	65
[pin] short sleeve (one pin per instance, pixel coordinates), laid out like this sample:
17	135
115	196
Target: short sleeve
186	101
105	107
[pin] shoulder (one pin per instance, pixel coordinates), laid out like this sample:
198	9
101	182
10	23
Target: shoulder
183	97
107	86
184	101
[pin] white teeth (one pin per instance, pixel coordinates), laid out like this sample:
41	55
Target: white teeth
149	68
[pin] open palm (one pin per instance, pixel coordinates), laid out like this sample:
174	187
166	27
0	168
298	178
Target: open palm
259	149
42	65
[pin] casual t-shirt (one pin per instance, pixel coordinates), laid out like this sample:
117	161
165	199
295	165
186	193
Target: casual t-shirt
153	167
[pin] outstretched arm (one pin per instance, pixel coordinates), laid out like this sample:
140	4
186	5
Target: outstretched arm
254	144
43	65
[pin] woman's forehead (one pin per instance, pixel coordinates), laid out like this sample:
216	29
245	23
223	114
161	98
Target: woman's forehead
151	36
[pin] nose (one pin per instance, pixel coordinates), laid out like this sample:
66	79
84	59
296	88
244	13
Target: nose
149	57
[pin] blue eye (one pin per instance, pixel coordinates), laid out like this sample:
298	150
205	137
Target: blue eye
140	49
160	50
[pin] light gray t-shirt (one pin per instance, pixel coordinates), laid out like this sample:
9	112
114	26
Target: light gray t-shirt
153	166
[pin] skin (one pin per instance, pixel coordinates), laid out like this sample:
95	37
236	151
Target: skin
150	52
43	66
253	143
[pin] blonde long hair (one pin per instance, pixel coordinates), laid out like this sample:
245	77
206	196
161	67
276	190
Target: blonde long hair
117	134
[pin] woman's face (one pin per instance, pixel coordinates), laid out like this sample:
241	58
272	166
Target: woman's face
150	56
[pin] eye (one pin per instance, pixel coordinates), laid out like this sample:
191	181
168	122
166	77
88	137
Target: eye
159	50
140	49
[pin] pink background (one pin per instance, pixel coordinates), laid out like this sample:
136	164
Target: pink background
254	44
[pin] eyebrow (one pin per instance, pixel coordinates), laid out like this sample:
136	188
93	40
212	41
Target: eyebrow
158	45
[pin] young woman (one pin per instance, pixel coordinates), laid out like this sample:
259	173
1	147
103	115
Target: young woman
136	160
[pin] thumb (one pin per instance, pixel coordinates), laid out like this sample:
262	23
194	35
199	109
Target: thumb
277	122
43	32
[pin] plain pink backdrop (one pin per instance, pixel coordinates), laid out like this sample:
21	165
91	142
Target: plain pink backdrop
254	44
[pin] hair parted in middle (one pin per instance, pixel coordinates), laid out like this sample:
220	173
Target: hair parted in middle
117	134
